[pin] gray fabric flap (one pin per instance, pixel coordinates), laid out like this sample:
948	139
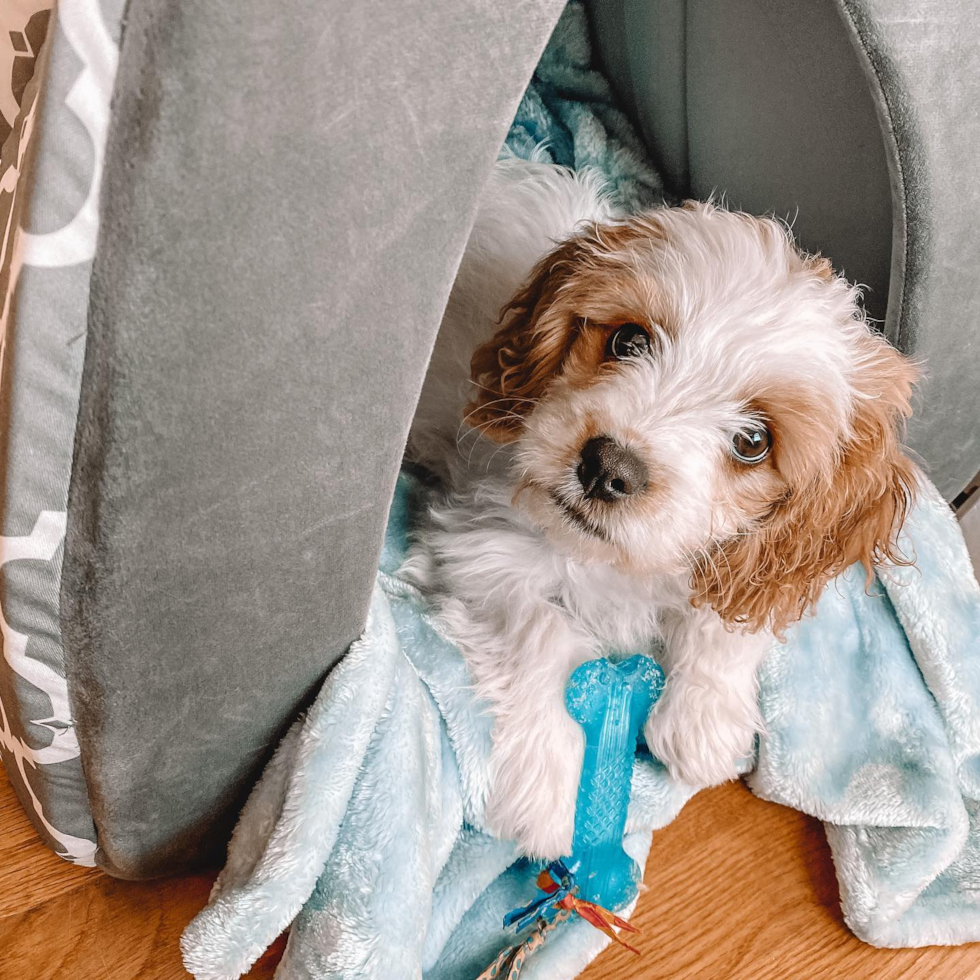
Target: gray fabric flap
287	192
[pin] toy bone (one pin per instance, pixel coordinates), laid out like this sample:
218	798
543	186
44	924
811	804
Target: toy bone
611	702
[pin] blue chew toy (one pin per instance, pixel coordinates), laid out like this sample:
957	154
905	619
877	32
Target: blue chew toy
611	702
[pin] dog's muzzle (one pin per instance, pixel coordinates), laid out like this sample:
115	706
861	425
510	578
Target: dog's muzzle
609	471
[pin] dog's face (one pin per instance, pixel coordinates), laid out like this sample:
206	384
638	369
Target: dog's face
691	394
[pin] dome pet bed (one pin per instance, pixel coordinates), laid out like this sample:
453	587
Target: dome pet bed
366	834
228	236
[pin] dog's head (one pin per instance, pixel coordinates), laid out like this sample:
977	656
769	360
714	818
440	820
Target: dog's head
690	393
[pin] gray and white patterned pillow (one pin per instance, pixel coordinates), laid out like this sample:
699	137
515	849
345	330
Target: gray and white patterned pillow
23	28
56	131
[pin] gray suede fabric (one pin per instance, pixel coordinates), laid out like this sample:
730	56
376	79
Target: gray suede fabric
773	110
286	195
784	121
641	45
855	119
923	63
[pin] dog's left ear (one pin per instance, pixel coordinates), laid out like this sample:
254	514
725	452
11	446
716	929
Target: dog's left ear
512	369
847	512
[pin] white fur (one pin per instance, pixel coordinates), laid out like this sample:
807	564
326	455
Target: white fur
520	589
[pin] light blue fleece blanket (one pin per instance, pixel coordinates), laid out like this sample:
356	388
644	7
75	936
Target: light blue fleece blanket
366	832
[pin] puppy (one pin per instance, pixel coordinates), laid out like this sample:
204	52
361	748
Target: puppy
679	430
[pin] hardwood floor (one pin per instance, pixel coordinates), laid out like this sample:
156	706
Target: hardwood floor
737	889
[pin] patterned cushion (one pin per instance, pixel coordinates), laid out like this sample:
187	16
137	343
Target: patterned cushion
23	28
48	225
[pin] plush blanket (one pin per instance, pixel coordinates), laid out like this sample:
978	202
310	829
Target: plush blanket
366	833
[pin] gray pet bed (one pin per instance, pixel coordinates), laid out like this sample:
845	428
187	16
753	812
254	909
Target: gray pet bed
204	406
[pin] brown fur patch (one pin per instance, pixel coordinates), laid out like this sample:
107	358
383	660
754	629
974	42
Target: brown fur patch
848	509
819	266
559	322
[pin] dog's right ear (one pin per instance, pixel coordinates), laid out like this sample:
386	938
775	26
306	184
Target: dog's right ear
851	509
512	369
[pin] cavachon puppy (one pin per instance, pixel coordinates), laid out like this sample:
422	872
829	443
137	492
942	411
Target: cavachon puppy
679	429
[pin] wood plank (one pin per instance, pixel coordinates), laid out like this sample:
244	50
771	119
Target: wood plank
741	889
30	874
109	930
59	921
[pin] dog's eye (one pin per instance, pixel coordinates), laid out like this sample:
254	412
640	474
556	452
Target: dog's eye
752	444
630	340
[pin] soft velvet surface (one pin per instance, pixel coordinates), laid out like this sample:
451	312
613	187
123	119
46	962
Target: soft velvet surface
287	190
923	64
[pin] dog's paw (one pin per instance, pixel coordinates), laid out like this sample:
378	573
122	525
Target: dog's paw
543	834
533	796
700	749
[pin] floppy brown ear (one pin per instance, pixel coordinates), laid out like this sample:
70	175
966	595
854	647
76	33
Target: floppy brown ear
848	513
512	369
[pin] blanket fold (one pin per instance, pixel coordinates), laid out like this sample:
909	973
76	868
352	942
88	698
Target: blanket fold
873	725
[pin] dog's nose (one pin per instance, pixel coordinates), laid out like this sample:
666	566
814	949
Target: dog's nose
609	471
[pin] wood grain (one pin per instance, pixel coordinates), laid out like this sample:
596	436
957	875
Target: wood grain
29	873
740	889
737	889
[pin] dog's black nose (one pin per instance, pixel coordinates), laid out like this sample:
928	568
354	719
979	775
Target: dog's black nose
609	471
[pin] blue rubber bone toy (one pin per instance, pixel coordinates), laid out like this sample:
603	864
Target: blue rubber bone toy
611	702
